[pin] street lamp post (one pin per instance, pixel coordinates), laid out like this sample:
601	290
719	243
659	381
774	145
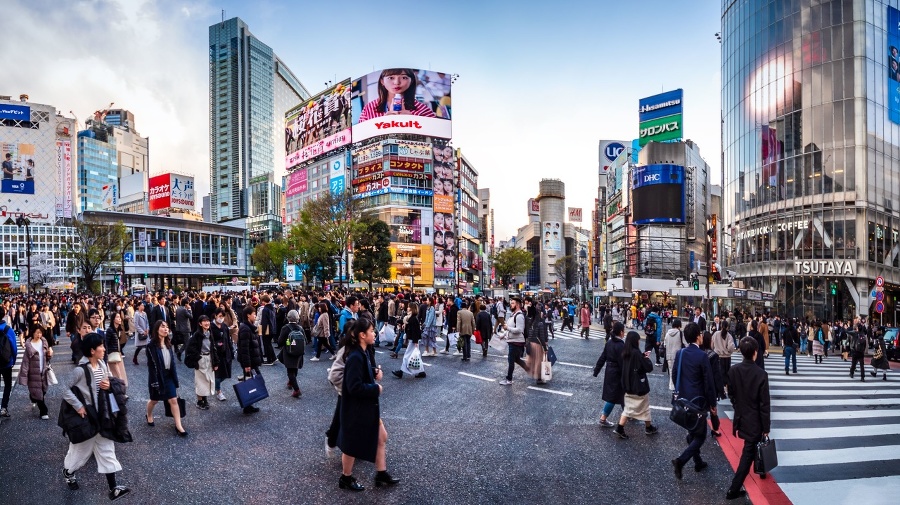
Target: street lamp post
20	222
412	274
583	256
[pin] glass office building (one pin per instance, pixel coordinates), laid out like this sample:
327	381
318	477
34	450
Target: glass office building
811	153
97	165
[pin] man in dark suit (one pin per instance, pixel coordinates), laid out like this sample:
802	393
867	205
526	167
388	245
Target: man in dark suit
161	313
197	310
748	389
699	319
693	377
791	341
183	319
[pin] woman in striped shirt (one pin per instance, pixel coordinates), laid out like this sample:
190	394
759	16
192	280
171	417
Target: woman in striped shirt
394	81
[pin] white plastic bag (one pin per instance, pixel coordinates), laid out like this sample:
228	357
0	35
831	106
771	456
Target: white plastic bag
51	376
412	360
387	333
497	343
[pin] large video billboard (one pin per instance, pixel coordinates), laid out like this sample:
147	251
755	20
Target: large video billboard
401	100
318	125
658	194
660	117
893	64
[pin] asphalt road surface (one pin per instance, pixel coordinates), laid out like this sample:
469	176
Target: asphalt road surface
456	437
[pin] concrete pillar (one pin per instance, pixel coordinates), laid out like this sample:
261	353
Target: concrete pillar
552	199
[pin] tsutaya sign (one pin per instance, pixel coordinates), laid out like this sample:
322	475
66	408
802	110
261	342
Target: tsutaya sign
825	267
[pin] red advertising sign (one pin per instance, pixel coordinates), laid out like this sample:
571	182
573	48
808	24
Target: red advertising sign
714	245
159	193
372	168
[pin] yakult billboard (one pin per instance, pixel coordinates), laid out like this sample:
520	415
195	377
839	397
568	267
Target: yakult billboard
401	100
171	191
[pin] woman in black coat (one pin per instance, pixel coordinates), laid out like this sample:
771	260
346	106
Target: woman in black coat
362	434
484	326
760	342
162	374
224	347
613	392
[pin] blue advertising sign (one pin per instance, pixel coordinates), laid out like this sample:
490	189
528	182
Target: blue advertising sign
19	187
893	64
613	150
649	175
19	112
661	105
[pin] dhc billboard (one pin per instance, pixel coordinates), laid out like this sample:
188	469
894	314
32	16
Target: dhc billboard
658	194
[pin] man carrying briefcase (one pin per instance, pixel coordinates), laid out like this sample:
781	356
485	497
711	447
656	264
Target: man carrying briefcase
748	389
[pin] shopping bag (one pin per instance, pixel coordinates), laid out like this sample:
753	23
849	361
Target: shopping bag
412	360
387	333
551	355
251	390
181	408
498	344
477	336
546	371
51	376
766	456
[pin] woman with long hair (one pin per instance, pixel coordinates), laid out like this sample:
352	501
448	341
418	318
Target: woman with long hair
413	334
362	434
162	374
33	373
613	392
635	365
322	333
393	82
115	334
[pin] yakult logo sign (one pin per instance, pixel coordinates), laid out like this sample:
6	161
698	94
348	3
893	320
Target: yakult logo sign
383	125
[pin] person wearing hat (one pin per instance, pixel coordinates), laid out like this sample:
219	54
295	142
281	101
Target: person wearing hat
292	340
199	355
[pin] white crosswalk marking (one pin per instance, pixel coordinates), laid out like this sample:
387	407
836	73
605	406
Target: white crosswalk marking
838	438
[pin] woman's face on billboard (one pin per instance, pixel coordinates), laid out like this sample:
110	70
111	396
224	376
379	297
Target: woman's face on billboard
396	83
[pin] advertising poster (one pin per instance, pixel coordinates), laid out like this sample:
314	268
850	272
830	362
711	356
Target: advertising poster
575	215
64	178
552	236
443	167
158	193
318	125
296	183
401	100
410	149
660	117
18	168
182	192
444	242
443	203
893	64
406	227
534	207
337	176
109	196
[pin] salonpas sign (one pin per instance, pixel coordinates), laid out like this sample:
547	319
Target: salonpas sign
825	267
660	129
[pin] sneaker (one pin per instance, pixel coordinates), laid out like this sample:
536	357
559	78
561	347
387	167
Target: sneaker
70	480
620	432
329	451
457	353
221	396
505	382
445	352
202	405
314	359
650	430
333	358
118	492
606	424
45	417
4	413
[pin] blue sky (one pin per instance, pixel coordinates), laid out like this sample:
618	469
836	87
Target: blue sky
538	85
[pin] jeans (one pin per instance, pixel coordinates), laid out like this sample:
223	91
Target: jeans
7	385
399	346
790	355
467	346
748	456
514	358
608	408
695	440
802	345
378	326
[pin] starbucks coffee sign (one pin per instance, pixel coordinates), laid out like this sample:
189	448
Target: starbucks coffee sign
825	267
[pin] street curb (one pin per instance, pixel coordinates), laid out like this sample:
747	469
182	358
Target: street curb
760	491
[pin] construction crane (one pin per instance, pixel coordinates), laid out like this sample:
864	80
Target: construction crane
100	115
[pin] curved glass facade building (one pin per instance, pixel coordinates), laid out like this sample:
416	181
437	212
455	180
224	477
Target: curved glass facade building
811	152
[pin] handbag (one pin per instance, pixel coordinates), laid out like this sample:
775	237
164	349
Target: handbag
477	335
551	355
181	408
766	456
114	357
685	413
51	376
251	390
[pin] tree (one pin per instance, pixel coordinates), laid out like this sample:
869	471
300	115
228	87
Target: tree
94	245
566	270
371	253
43	270
512	261
269	257
326	227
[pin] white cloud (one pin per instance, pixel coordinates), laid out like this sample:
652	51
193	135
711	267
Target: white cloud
144	56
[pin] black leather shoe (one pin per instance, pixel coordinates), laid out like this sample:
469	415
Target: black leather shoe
349	482
385	479
699	467
398	374
677	466
731	495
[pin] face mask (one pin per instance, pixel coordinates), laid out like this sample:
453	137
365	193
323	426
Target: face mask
220	320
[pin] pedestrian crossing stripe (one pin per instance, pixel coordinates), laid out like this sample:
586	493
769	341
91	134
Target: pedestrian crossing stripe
838	438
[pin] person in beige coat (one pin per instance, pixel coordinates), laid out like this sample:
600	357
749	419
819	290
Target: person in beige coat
465	325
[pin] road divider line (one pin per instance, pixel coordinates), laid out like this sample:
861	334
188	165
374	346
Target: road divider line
426	364
574	364
654	407
477	376
563	393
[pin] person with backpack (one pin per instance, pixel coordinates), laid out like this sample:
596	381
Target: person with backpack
515	338
8	352
858	348
293	341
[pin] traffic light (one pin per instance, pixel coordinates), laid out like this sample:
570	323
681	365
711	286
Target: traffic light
696	284
833	288
16	275
158	243
116	278
146	275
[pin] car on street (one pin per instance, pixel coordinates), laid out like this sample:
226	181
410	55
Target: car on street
892	343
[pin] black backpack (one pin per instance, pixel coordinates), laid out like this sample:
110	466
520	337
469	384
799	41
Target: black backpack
293	346
860	344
